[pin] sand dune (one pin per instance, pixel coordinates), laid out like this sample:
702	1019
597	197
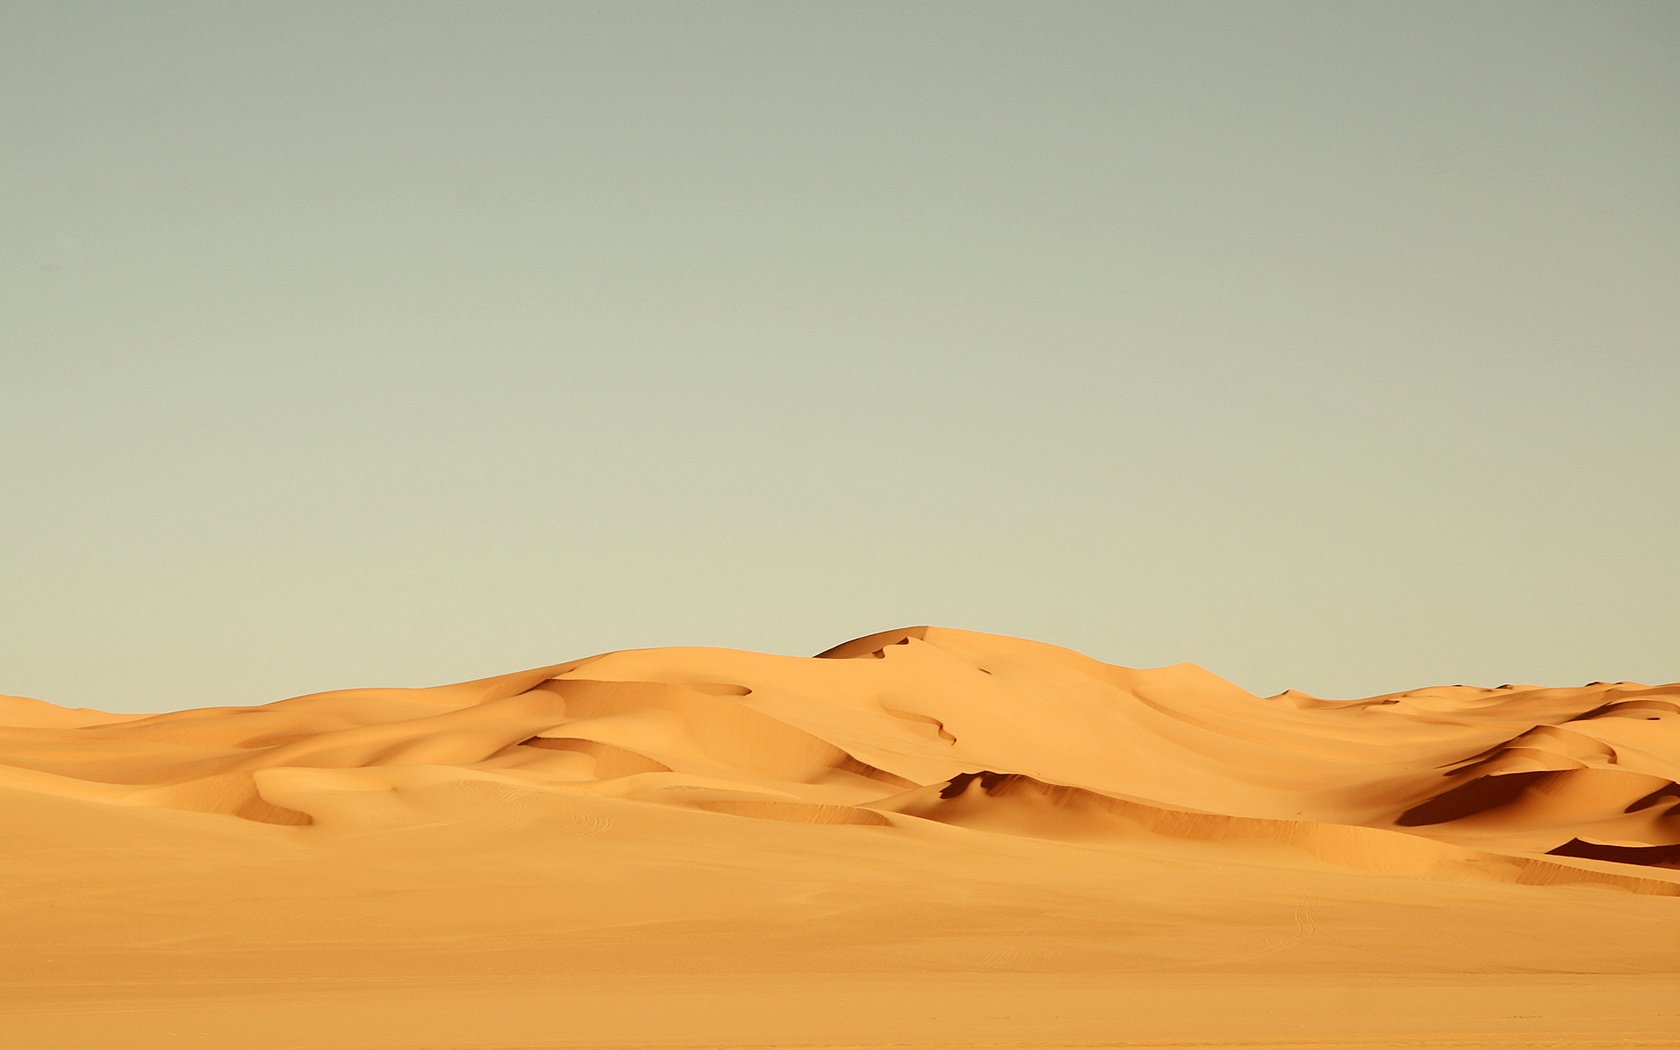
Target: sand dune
923	801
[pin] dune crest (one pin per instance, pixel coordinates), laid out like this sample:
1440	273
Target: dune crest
917	802
986	732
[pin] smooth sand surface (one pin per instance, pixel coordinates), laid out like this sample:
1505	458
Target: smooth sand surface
924	838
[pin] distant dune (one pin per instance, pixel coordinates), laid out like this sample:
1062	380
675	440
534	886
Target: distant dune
922	801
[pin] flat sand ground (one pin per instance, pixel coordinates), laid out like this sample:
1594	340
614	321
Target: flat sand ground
797	1011
926	839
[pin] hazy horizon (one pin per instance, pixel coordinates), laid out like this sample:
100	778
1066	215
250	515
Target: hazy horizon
1334	347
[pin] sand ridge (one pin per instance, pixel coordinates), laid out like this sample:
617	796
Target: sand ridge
1529	769
924	800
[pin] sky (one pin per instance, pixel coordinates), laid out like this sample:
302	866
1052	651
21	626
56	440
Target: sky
1329	346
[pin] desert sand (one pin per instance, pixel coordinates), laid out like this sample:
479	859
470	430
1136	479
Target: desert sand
922	838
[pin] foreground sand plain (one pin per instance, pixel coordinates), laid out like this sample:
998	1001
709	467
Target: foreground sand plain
923	838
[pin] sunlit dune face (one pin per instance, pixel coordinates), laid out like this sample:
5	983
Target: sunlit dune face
899	802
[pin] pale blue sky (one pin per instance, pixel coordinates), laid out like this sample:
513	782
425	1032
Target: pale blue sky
1334	346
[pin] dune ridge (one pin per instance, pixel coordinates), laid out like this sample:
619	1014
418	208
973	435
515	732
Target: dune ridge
873	725
925	800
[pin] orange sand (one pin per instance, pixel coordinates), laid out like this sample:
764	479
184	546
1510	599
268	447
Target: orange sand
924	838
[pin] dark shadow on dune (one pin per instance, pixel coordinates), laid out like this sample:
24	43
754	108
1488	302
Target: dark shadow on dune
873	645
1649	856
991	783
1672	791
1478	796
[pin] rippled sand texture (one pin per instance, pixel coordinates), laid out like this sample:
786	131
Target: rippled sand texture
923	838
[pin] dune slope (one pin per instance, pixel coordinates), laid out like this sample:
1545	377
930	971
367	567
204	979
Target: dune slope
923	801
